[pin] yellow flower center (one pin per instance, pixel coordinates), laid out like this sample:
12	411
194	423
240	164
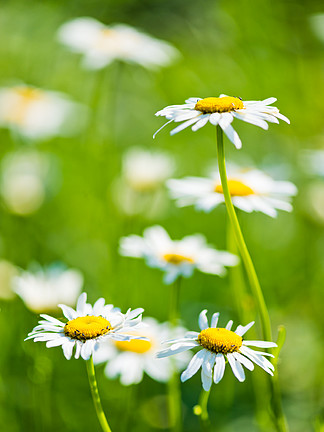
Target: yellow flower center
138	346
221	104
177	259
19	109
87	327
236	188
220	340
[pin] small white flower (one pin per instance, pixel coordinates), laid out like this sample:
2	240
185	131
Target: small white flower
35	113
218	345
176	257
131	359
222	110
43	289
86	327
25	177
146	170
250	189
101	44
312	162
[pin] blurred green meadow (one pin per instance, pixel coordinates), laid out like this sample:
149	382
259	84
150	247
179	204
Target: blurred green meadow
254	50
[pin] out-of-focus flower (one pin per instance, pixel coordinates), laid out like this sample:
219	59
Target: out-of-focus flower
312	162
251	190
222	110
86	327
38	114
7	273
140	188
317	25
218	345
176	257
131	359
43	289
25	178
101	44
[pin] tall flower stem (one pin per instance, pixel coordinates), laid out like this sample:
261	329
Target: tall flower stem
246	258
276	405
174	391
95	396
201	411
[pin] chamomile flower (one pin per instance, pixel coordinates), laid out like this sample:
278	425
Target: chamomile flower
42	289
101	44
86	327
222	110
131	359
176	257
250	189
219	345
35	113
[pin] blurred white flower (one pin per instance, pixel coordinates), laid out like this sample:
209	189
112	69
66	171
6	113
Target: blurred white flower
176	257
7	272
131	359
250	189
43	289
146	170
101	44
222	110
86	327
219	345
312	161
24	180
317	25
37	114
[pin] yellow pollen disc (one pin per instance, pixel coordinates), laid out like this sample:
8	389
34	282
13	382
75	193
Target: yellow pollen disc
177	259
87	327
236	188
138	346
223	104
220	340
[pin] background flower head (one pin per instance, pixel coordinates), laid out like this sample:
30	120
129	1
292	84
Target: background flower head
131	359
250	189
176	257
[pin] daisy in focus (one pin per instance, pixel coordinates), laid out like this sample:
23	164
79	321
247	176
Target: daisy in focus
42	289
176	257
250	189
35	113
101	44
219	345
86	327
222	110
131	359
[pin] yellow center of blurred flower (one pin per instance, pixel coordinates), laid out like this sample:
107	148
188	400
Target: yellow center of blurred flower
138	346
177	259
87	327
222	104
220	340
19	109
236	188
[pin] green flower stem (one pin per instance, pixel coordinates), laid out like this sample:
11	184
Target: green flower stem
174	391
95	396
246	258
202	411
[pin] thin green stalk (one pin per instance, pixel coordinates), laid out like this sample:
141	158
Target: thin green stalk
202	411
95	396
246	258
276	405
174	391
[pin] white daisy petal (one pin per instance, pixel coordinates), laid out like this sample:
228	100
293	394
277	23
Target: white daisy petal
241	330
214	319
193	366
229	325
68	349
203	322
245	362
219	368
260	344
237	368
184	125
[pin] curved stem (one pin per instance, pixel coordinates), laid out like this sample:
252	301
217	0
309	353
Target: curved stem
95	396
202	411
246	258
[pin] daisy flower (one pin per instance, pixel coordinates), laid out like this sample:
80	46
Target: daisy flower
101	44
250	189
176	257
222	110
42	289
131	359
36	113
86	327
219	345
